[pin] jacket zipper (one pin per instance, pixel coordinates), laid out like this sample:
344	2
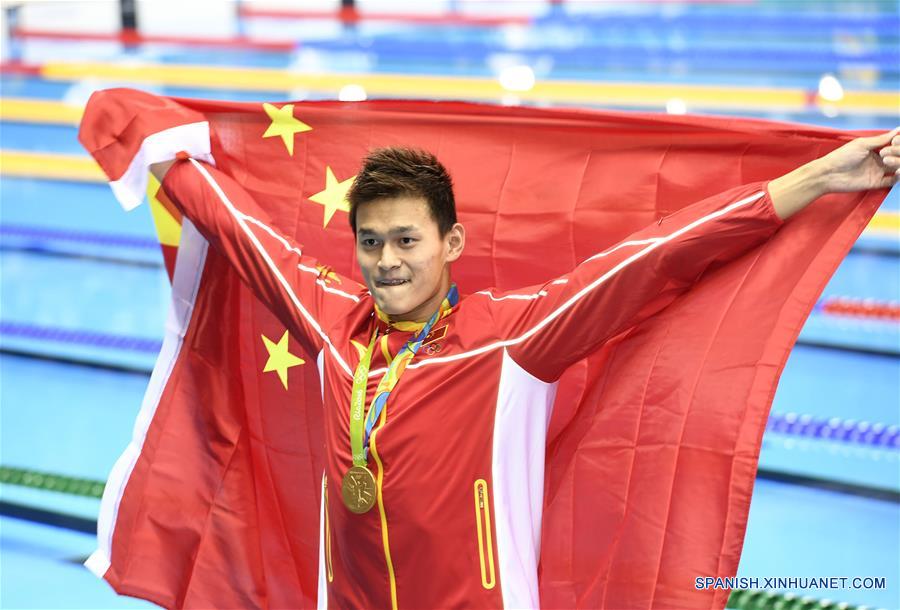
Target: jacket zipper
328	567
485	538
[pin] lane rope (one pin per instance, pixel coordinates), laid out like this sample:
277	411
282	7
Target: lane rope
875	434
757	599
35	479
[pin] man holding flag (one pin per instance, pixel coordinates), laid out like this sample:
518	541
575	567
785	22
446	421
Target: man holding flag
436	405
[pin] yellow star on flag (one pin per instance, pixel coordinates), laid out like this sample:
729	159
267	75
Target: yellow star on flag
280	359
284	124
334	197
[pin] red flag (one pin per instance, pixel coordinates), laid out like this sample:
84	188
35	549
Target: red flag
652	448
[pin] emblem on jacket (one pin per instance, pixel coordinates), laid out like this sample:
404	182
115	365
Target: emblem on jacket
327	275
431	345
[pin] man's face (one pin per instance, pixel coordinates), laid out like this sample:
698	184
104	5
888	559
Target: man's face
403	257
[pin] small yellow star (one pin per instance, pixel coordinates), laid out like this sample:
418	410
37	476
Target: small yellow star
284	124
334	197
280	359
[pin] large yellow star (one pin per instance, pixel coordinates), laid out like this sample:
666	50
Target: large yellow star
284	124
280	359
334	197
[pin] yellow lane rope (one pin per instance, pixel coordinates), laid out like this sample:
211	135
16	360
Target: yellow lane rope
48	112
885	223
639	95
49	166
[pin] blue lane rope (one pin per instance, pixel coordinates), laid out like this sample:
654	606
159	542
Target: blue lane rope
620	55
80	337
836	429
100	239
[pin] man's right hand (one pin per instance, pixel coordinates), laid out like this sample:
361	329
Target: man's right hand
159	169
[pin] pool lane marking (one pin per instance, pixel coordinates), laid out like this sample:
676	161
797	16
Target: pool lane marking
49	166
639	95
45	112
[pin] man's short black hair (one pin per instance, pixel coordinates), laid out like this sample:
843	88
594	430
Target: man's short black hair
398	171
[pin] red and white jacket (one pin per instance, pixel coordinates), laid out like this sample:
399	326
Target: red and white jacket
458	452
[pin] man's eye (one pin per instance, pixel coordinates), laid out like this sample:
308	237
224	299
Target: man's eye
369	243
407	241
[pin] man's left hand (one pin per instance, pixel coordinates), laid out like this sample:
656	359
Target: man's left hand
859	165
863	164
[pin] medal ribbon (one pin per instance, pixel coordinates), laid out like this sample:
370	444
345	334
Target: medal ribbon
359	444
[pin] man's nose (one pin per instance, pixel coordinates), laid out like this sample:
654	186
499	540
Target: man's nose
389	259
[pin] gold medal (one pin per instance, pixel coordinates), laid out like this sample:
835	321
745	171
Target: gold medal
358	489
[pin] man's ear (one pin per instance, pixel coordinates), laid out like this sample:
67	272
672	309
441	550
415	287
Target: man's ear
456	242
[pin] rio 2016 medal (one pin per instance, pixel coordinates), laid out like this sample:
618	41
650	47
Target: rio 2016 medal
358	489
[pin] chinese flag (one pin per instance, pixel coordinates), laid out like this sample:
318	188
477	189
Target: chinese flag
653	445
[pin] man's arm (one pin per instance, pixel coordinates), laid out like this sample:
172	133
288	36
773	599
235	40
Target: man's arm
272	265
551	326
861	164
